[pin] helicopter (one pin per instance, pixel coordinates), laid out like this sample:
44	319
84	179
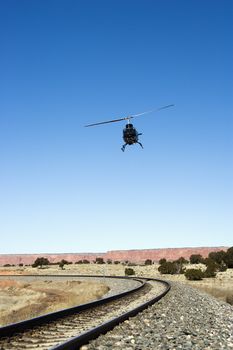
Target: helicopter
130	134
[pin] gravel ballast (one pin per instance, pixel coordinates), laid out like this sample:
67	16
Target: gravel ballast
184	319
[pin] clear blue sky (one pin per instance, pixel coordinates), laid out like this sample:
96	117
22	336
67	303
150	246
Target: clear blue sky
64	64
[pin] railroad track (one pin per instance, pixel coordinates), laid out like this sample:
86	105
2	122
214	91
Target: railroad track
71	328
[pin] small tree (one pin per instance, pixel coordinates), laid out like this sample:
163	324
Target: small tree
168	268
218	257
109	261
179	263
228	259
85	261
210	271
148	262
129	271
61	265
222	267
182	260
162	261
65	262
99	261
194	274
40	262
116	262
196	259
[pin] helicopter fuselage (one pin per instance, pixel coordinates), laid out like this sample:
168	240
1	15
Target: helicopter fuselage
130	134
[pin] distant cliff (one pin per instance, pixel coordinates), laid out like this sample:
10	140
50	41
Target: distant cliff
137	255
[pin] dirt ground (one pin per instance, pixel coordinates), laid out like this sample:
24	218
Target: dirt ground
20	300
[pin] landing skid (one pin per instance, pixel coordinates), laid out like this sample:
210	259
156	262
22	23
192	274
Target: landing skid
123	147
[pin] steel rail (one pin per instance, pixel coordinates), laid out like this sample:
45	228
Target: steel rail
76	342
18	327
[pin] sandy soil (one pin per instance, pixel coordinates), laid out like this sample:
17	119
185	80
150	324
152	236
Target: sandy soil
22	300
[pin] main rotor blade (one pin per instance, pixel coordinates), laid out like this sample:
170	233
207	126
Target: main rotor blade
152	110
108	121
129	117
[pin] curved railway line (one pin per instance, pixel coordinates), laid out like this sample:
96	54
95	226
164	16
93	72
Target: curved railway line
71	328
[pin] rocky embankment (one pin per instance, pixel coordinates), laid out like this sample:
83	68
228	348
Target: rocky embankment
184	319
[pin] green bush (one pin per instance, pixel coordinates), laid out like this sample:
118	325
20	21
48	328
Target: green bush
148	262
210	271
99	261
61	265
65	262
218	257
171	267
182	261
129	271
39	262
162	261
222	267
196	259
168	268
194	274
85	261
228	259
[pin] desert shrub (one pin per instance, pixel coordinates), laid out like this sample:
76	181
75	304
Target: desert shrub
179	265
218	257
65	262
116	262
20	264
168	268
6	265
85	261
171	267
229	299
99	261
148	262
228	259
61	265
162	261
39	262
196	259
109	261
182	260
194	274
129	271
211	268
79	262
210	271
222	267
